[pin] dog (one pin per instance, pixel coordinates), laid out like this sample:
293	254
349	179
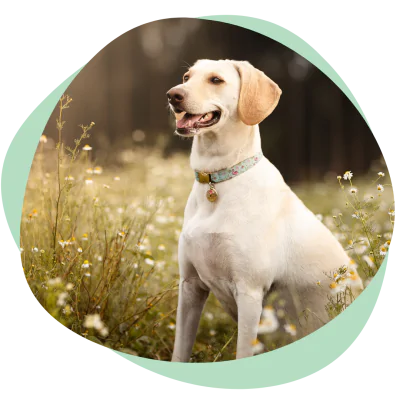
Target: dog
245	233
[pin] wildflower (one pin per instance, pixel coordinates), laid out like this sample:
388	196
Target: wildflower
21	249
35	249
69	286
62	243
171	326
339	178
86	147
122	233
85	236
382	251
120	210
104	331
55	281
43	139
387	243
353	190
347	175
149	261
318	283
269	322
117	178
391	213
161	219
86	264
380	188
257	346
87	274
291	329
336	288
98	170
369	261
62	297
100	258
319	217
34	212
69	178
93	321
89	181
79	250
356	215
89	171
161	247
209	316
106	186
381	174
212	332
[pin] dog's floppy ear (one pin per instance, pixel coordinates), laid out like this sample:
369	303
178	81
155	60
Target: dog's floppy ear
259	95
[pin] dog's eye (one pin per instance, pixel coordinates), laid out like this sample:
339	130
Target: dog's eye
185	78
216	80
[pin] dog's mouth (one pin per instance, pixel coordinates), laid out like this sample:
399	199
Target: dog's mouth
190	124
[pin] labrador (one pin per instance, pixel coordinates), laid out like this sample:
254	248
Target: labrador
245	233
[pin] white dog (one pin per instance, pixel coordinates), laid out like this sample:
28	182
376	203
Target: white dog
245	232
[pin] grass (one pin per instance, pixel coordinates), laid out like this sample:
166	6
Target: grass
99	245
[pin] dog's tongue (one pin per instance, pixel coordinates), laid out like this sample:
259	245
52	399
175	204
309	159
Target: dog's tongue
189	120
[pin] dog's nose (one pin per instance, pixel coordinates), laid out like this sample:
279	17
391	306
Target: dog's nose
176	96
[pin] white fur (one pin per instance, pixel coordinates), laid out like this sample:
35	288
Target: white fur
257	234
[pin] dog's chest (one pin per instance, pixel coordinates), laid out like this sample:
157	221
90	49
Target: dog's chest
223	241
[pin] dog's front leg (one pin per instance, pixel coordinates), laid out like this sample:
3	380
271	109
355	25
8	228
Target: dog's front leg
249	313
192	298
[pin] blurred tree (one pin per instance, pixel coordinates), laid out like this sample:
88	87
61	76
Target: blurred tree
315	128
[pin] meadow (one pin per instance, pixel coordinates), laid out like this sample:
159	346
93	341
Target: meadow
99	245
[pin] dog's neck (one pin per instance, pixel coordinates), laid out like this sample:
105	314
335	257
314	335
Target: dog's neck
213	151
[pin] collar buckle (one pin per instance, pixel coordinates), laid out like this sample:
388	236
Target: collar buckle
204	177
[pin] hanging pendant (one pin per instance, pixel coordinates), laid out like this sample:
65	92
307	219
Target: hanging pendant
212	194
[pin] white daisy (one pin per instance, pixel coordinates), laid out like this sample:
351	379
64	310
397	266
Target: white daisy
149	261
269	322
347	175
257	346
209	316
62	297
291	329
369	260
353	190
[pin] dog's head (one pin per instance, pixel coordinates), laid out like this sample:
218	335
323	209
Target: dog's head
215	92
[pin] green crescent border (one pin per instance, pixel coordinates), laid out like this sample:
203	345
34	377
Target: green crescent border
295	361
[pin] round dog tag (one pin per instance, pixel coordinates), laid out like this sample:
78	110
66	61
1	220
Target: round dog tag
212	194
